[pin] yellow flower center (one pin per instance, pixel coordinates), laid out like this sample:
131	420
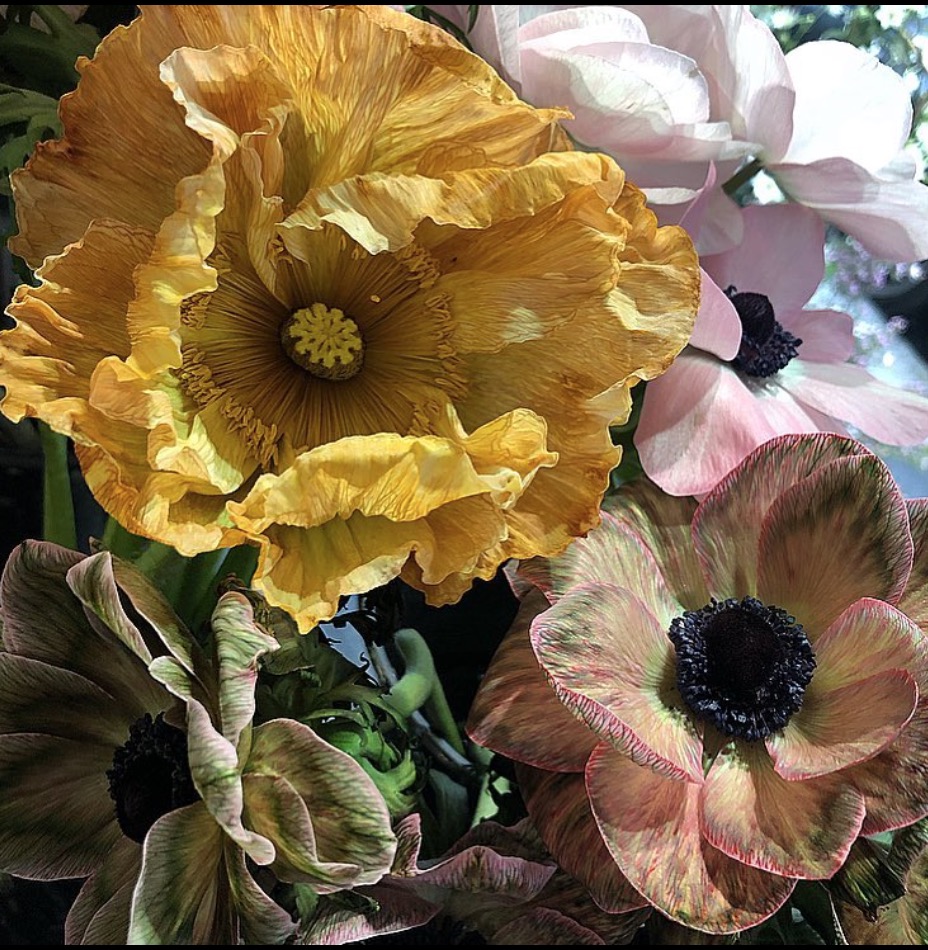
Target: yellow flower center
323	341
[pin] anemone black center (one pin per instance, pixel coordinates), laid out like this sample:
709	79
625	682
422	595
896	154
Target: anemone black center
742	665
765	346
150	775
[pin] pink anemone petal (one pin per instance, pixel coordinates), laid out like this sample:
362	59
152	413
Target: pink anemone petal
698	421
851	394
849	521
613	553
827	335
862	694
914	602
612	662
848	104
664	523
781	255
718	328
560	810
797	829
651	827
518	714
727	524
894	783
841	727
887	215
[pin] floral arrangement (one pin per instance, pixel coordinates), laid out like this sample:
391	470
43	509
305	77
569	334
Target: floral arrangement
463	521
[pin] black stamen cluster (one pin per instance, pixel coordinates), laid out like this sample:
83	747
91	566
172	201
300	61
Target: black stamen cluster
742	665
150	775
765	346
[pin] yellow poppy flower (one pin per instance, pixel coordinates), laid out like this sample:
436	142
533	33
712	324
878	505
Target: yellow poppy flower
313	279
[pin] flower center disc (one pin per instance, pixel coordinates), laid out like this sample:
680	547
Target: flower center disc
766	347
742	665
323	341
150	776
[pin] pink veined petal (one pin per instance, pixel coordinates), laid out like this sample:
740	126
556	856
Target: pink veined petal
560	810
785	414
698	421
615	553
885	214
611	661
651	827
914	602
849	520
781	255
516	711
847	104
838	728
717	329
727	524
827	335
849	393
797	829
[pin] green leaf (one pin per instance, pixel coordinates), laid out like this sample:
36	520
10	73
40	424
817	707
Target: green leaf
817	908
866	879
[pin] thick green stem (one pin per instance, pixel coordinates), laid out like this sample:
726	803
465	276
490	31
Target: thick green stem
58	506
241	562
199	592
420	687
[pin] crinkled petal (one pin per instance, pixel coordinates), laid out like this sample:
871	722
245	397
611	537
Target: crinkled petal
651	827
850	521
849	393
560	810
346	516
801	829
611	661
727	524
518	714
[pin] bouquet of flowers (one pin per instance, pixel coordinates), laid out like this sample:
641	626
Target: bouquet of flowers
464	517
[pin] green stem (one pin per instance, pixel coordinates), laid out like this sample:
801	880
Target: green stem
742	177
119	542
199	589
58	506
420	686
241	562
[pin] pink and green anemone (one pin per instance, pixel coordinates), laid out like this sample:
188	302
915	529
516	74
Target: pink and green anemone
128	757
667	748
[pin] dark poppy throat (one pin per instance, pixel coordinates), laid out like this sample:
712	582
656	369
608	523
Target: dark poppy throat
766	347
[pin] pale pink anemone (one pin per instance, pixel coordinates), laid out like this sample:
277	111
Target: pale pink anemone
497	881
704	415
633	791
669	88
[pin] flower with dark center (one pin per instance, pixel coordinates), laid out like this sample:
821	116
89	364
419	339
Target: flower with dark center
742	666
719	698
150	775
766	347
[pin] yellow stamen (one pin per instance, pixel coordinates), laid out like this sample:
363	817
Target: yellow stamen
323	341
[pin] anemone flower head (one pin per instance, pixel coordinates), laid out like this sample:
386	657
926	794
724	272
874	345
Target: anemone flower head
318	327
722	697
759	365
128	758
497	882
